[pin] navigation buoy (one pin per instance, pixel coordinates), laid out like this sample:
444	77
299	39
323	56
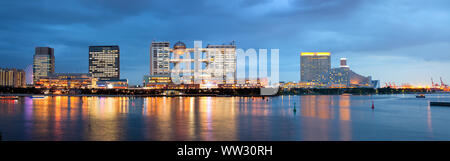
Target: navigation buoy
373	105
295	110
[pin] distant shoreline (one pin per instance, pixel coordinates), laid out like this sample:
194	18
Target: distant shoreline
216	92
203	95
99	95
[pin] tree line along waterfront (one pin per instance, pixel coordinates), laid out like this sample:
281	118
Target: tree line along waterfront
212	92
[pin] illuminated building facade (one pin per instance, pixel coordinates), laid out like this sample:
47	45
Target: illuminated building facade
113	84
43	62
183	86
104	62
338	78
159	58
314	65
316	71
217	64
12	78
156	81
66	81
343	77
357	80
288	85
222	63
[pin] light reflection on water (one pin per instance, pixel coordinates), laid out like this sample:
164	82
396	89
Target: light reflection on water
396	117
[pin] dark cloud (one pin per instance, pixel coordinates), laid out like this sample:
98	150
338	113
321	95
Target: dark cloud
129	7
351	28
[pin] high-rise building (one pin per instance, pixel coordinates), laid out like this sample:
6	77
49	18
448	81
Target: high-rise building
217	64
222	63
43	62
104	62
314	65
209	66
12	78
159	58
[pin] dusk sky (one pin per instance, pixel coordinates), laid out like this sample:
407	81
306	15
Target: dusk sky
391	40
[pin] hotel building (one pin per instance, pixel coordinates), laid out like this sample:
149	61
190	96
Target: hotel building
343	77
316	71
43	62
314	65
104	62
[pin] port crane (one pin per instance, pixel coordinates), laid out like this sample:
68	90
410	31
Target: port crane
390	84
443	85
432	83
440	84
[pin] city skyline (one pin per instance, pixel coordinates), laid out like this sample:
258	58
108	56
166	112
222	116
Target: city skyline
331	58
413	43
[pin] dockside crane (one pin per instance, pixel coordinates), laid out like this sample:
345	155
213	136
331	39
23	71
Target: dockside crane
432	83
435	84
443	85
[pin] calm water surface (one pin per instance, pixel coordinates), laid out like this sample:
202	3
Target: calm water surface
396	117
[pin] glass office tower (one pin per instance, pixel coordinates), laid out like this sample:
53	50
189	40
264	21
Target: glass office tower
43	62
104	62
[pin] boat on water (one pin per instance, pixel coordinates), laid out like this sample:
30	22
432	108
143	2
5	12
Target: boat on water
420	96
37	96
440	104
346	94
224	95
9	97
